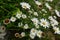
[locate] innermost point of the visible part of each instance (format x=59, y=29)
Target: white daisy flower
x=13, y=19
x=26, y=26
x=53, y=21
x=48, y=6
x=32, y=36
x=38, y=3
x=44, y=23
x=50, y=18
x=35, y=21
x=56, y=29
x=23, y=34
x=25, y=5
x=33, y=31
x=24, y=16
x=35, y=13
x=57, y=13
x=18, y=15
x=39, y=33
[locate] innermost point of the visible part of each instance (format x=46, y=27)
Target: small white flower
x=26, y=26
x=24, y=16
x=44, y=10
x=50, y=18
x=18, y=15
x=6, y=21
x=13, y=19
x=49, y=0
x=23, y=34
x=57, y=13
x=54, y=17
x=37, y=26
x=39, y=33
x=2, y=29
x=56, y=29
x=53, y=21
x=38, y=3
x=32, y=36
x=35, y=21
x=17, y=35
x=30, y=11
x=35, y=13
x=48, y=6
x=33, y=31
x=20, y=24
x=44, y=23
x=2, y=32
x=25, y=5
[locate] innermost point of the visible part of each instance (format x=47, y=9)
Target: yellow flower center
x=33, y=30
x=39, y=33
x=25, y=7
x=44, y=23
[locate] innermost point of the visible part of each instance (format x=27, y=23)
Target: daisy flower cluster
x=33, y=21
